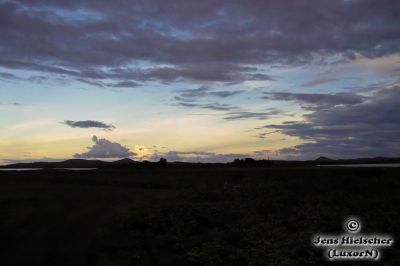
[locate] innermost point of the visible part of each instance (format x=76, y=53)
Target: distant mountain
x=323, y=159
x=72, y=163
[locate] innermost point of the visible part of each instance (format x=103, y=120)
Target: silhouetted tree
x=162, y=162
x=249, y=161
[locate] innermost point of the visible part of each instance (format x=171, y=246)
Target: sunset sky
x=208, y=80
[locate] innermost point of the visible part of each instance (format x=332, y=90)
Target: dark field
x=182, y=216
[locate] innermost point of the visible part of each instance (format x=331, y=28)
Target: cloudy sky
x=208, y=80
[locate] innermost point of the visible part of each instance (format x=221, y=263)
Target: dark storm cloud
x=125, y=84
x=103, y=148
x=225, y=94
x=250, y=115
x=202, y=92
x=317, y=82
x=194, y=93
x=202, y=71
x=197, y=40
x=13, y=64
x=88, y=124
x=38, y=79
x=312, y=101
x=191, y=98
x=186, y=104
x=219, y=107
x=209, y=106
x=264, y=134
x=92, y=82
x=4, y=75
x=368, y=129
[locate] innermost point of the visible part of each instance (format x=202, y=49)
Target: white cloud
x=104, y=148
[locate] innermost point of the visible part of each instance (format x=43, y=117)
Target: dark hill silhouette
x=247, y=162
x=72, y=163
x=125, y=161
x=323, y=159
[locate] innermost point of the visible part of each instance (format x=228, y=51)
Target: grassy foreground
x=197, y=216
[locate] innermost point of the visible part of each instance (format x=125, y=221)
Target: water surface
x=36, y=169
x=364, y=165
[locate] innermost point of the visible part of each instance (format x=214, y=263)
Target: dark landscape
x=199, y=132
x=246, y=162
x=223, y=215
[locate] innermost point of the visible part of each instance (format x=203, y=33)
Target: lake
x=36, y=169
x=364, y=165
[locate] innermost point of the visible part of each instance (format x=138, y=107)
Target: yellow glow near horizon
x=183, y=133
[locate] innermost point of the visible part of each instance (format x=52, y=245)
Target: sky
x=205, y=81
